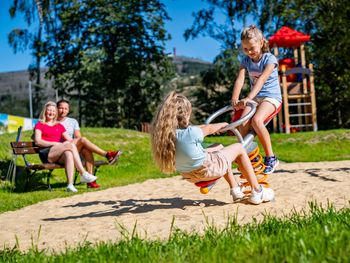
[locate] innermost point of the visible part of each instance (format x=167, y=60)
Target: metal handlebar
x=233, y=126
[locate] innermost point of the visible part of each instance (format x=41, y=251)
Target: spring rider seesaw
x=248, y=143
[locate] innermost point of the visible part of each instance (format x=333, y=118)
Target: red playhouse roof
x=286, y=37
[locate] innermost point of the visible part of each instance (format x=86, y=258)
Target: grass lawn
x=136, y=164
x=319, y=236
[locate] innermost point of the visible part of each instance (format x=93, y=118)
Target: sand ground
x=153, y=205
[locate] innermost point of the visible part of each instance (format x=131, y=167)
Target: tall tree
x=221, y=20
x=35, y=13
x=110, y=54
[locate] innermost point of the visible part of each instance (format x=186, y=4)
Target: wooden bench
x=28, y=147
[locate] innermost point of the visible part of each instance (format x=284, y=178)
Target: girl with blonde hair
x=57, y=147
x=177, y=145
x=262, y=68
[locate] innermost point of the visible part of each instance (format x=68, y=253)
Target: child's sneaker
x=112, y=157
x=236, y=193
x=255, y=159
x=71, y=188
x=271, y=162
x=93, y=185
x=265, y=195
x=87, y=178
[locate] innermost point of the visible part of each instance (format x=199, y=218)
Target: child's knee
x=256, y=122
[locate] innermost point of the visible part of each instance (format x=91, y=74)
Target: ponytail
x=252, y=32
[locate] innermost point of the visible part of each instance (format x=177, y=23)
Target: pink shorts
x=215, y=166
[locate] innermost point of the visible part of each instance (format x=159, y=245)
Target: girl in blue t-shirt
x=262, y=69
x=177, y=145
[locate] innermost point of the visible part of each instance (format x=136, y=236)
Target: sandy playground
x=154, y=204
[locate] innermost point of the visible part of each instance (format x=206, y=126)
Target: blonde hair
x=174, y=112
x=252, y=32
x=42, y=116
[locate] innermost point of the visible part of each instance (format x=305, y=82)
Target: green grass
x=321, y=235
x=136, y=163
x=331, y=145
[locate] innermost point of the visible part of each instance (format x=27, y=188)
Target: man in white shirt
x=85, y=147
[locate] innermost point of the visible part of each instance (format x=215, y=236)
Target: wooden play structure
x=297, y=83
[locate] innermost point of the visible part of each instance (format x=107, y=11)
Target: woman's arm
x=66, y=137
x=40, y=142
x=212, y=128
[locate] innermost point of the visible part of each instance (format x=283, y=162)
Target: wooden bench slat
x=22, y=144
x=25, y=150
x=45, y=166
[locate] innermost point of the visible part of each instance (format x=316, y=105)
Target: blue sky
x=179, y=10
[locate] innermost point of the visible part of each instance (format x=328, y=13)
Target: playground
x=157, y=207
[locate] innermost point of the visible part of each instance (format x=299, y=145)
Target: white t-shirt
x=71, y=126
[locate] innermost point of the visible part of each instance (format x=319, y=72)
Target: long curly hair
x=252, y=32
x=174, y=112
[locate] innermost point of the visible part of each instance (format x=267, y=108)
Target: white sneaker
x=87, y=178
x=236, y=193
x=71, y=188
x=265, y=195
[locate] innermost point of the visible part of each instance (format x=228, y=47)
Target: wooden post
x=285, y=100
x=296, y=57
x=313, y=98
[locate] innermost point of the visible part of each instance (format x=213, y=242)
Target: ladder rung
x=301, y=104
x=300, y=114
x=301, y=125
x=298, y=96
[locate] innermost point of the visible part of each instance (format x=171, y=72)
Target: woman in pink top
x=57, y=146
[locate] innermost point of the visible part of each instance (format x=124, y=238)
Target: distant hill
x=14, y=92
x=15, y=83
x=190, y=66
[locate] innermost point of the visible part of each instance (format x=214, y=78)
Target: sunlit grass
x=136, y=164
x=320, y=235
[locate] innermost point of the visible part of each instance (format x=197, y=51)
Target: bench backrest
x=20, y=148
x=23, y=148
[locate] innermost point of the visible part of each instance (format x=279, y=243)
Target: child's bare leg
x=264, y=110
x=244, y=128
x=247, y=170
x=230, y=179
x=236, y=152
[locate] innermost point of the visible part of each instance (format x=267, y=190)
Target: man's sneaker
x=112, y=157
x=93, y=185
x=71, y=188
x=271, y=162
x=87, y=178
x=236, y=193
x=265, y=195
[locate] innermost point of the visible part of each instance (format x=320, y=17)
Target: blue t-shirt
x=189, y=150
x=271, y=87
